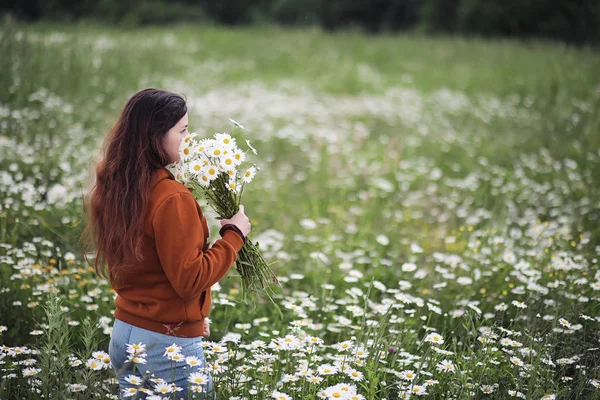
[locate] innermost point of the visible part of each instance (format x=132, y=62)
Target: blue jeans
x=158, y=365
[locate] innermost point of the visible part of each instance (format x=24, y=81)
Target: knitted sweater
x=169, y=291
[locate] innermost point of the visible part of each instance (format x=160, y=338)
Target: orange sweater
x=169, y=291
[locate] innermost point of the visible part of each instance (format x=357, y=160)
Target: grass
x=408, y=185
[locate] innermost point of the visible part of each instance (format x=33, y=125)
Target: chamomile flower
x=31, y=371
x=327, y=369
x=215, y=149
x=232, y=185
x=238, y=156
x=277, y=395
x=94, y=364
x=445, y=366
x=517, y=361
x=204, y=180
x=198, y=378
x=519, y=304
x=129, y=392
x=419, y=390
x=189, y=137
x=163, y=388
x=237, y=124
x=225, y=140
x=249, y=175
x=251, y=148
x=195, y=167
x=212, y=172
x=172, y=349
x=354, y=374
x=76, y=387
x=408, y=375
x=186, y=150
x=193, y=361
x=134, y=380
x=226, y=163
x=434, y=338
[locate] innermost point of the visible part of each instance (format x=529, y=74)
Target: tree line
x=574, y=21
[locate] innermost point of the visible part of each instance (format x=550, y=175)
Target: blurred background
x=437, y=159
x=575, y=21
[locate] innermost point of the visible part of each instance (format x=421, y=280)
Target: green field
x=408, y=185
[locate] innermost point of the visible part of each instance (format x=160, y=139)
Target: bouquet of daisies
x=212, y=169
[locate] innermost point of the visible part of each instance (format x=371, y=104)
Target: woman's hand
x=206, y=332
x=240, y=220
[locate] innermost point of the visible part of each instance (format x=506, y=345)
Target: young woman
x=152, y=238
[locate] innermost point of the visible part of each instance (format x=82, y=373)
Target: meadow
x=432, y=205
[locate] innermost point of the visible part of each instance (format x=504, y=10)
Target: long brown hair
x=117, y=202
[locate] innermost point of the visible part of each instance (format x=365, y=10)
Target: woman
x=151, y=234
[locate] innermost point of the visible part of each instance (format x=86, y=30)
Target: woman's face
x=174, y=137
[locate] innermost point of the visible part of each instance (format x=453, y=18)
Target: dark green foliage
x=576, y=21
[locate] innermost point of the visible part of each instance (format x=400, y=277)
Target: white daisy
x=249, y=175
x=212, y=172
x=251, y=148
x=172, y=349
x=198, y=378
x=225, y=140
x=129, y=392
x=195, y=167
x=238, y=156
x=163, y=388
x=134, y=380
x=445, y=366
x=215, y=149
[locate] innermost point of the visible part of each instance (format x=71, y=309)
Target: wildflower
x=31, y=371
x=408, y=375
x=517, y=361
x=94, y=364
x=419, y=390
x=75, y=363
x=327, y=369
x=355, y=375
x=280, y=396
x=519, y=304
x=344, y=346
x=172, y=349
x=76, y=387
x=198, y=378
x=138, y=348
x=445, y=366
x=564, y=322
x=129, y=392
x=409, y=267
x=134, y=380
x=137, y=359
x=514, y=393
x=163, y=388
x=434, y=338
x=193, y=361
x=487, y=389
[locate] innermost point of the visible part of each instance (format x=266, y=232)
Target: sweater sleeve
x=180, y=238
